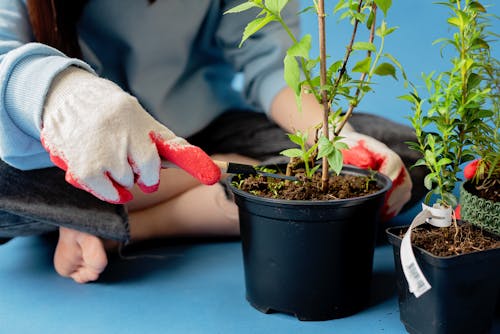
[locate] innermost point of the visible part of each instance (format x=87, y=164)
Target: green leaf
x=364, y=46
x=429, y=157
x=428, y=180
x=292, y=74
x=301, y=48
x=419, y=162
x=240, y=8
x=336, y=161
x=388, y=31
x=479, y=43
x=255, y=26
x=342, y=4
x=276, y=6
x=325, y=147
x=341, y=145
x=444, y=161
x=412, y=98
x=477, y=7
x=292, y=153
x=363, y=66
x=386, y=69
x=370, y=19
x=313, y=170
x=296, y=138
x=455, y=21
x=384, y=5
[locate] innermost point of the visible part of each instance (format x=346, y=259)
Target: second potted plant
x=448, y=271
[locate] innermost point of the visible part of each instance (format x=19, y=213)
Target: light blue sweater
x=178, y=57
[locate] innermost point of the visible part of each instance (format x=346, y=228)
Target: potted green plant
x=480, y=193
x=313, y=257
x=448, y=272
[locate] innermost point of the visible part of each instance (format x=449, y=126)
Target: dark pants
x=39, y=201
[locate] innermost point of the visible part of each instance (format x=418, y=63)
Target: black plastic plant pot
x=463, y=294
x=312, y=259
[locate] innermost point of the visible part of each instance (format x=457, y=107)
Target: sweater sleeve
x=26, y=72
x=260, y=58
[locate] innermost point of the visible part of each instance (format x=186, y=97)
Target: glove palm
x=106, y=142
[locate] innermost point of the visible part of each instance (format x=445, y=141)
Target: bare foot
x=79, y=255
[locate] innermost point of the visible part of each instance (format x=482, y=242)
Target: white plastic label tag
x=417, y=282
x=441, y=217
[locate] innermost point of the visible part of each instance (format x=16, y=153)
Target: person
x=95, y=94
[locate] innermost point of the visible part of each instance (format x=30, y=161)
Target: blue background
x=419, y=24
x=197, y=286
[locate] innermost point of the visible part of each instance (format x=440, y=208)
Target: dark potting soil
x=487, y=189
x=453, y=240
x=339, y=187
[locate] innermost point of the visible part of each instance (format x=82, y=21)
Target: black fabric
x=38, y=201
x=247, y=133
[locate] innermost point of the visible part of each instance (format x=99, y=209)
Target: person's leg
x=199, y=210
x=181, y=207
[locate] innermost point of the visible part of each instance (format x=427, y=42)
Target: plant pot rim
x=465, y=184
x=438, y=261
x=382, y=180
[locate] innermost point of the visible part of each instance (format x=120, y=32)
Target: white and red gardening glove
x=367, y=152
x=106, y=142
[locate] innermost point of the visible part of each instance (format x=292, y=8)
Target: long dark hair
x=54, y=23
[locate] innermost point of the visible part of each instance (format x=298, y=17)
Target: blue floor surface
x=186, y=287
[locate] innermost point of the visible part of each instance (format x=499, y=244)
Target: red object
x=360, y=156
x=190, y=158
x=470, y=169
x=457, y=212
x=399, y=180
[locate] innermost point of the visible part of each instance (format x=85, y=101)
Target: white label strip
x=417, y=283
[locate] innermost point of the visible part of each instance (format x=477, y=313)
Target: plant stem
x=351, y=107
x=347, y=53
x=324, y=92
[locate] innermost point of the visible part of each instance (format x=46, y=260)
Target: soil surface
x=339, y=187
x=487, y=189
x=453, y=240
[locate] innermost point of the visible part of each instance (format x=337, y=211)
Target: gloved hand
x=105, y=140
x=367, y=152
x=470, y=169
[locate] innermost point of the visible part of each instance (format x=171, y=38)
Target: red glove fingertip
x=360, y=156
x=470, y=169
x=192, y=159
